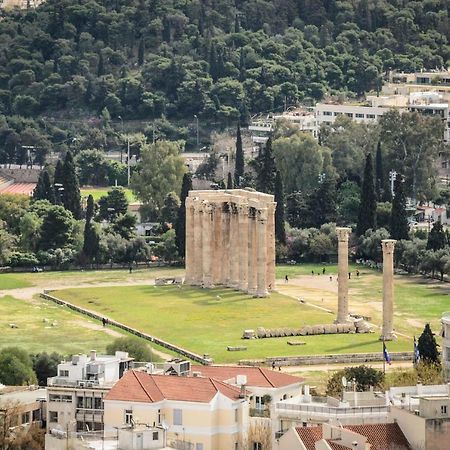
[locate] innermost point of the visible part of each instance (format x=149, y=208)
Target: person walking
x=286, y=279
x=323, y=271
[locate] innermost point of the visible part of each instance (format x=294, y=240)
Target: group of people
x=286, y=278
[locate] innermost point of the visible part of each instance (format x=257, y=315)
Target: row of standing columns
x=387, y=246
x=230, y=244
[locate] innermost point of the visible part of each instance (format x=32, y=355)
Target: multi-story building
x=197, y=413
x=75, y=396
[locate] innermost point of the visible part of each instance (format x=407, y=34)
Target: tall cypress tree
x=71, y=192
x=180, y=229
x=239, y=163
x=399, y=219
x=229, y=181
x=44, y=189
x=280, y=231
x=379, y=174
x=437, y=238
x=367, y=217
x=428, y=347
x=91, y=238
x=100, y=65
x=266, y=171
x=58, y=182
x=141, y=52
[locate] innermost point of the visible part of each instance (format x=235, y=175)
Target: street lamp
x=392, y=178
x=121, y=151
x=196, y=120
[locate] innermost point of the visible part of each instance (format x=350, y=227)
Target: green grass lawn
x=200, y=321
x=101, y=192
x=72, y=332
x=296, y=270
x=13, y=281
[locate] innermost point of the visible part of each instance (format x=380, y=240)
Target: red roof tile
x=142, y=387
x=256, y=376
x=381, y=436
x=19, y=188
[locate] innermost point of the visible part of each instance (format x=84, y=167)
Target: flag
x=386, y=355
x=416, y=352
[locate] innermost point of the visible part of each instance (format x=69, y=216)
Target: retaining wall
x=328, y=359
x=179, y=350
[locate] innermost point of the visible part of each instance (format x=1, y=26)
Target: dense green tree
x=229, y=181
x=113, y=204
x=180, y=228
x=239, y=166
x=437, y=239
x=368, y=207
x=169, y=211
x=57, y=228
x=364, y=376
x=44, y=188
x=135, y=347
x=58, y=179
x=265, y=177
x=399, y=219
x=280, y=232
x=16, y=368
x=428, y=348
x=45, y=366
x=91, y=242
x=71, y=192
x=381, y=185
x=167, y=249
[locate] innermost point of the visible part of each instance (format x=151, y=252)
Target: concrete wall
x=437, y=434
x=413, y=427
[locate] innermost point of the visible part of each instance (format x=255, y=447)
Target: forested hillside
x=217, y=58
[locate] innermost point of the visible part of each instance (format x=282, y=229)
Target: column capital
x=243, y=209
x=262, y=214
x=388, y=246
x=343, y=233
x=208, y=207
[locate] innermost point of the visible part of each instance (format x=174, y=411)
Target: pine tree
x=437, y=238
x=58, y=182
x=323, y=202
x=399, y=219
x=239, y=162
x=71, y=192
x=44, y=189
x=180, y=229
x=368, y=208
x=280, y=231
x=379, y=175
x=265, y=180
x=101, y=65
x=89, y=208
x=428, y=347
x=141, y=52
x=229, y=181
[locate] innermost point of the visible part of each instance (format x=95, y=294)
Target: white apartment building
x=75, y=395
x=446, y=344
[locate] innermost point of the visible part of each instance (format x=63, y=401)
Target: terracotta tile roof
x=381, y=436
x=256, y=376
x=137, y=386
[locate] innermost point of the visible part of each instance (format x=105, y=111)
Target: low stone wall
x=327, y=359
x=181, y=351
x=21, y=175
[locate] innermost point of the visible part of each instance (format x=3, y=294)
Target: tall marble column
x=342, y=234
x=261, y=232
x=198, y=238
x=217, y=244
x=207, y=244
x=387, y=333
x=189, y=242
x=234, y=249
x=271, y=247
x=225, y=263
x=252, y=249
x=243, y=247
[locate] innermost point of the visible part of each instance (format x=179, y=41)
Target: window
x=349, y=114
x=98, y=403
x=36, y=415
x=63, y=373
x=327, y=113
x=66, y=398
x=128, y=416
x=236, y=415
x=236, y=446
x=360, y=116
x=53, y=416
x=54, y=398
x=371, y=116
x=88, y=402
x=443, y=409
x=257, y=446
x=198, y=446
x=159, y=417
x=155, y=435
x=26, y=417
x=177, y=417
x=80, y=403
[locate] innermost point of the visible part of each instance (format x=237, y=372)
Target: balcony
x=259, y=412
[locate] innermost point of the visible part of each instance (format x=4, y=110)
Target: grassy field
x=12, y=281
x=209, y=321
x=43, y=326
x=101, y=192
x=305, y=269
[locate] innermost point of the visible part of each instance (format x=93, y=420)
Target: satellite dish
x=344, y=381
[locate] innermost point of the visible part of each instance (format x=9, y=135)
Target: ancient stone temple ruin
x=230, y=240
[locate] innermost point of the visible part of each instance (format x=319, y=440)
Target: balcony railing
x=259, y=412
x=334, y=412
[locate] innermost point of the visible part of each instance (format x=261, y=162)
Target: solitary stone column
x=342, y=234
x=198, y=235
x=261, y=230
x=207, y=244
x=387, y=333
x=189, y=242
x=252, y=247
x=243, y=247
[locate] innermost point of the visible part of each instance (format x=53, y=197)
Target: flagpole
x=384, y=358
